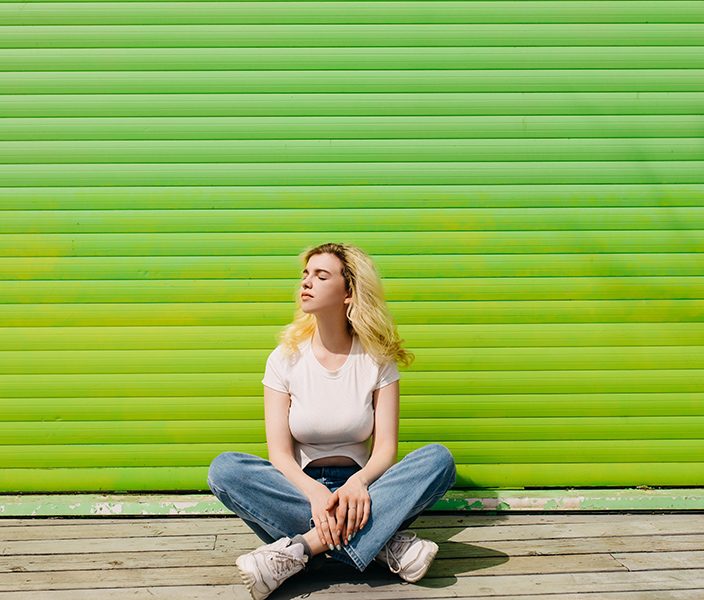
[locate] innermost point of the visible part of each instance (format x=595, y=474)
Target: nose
x=305, y=282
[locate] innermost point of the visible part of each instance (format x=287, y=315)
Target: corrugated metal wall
x=528, y=174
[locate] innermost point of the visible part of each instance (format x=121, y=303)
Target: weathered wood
x=71, y=529
x=135, y=544
x=547, y=532
x=434, y=520
x=504, y=557
x=188, y=592
x=450, y=548
x=119, y=560
x=661, y=560
x=415, y=593
x=665, y=543
x=212, y=524
x=535, y=585
x=119, y=578
x=523, y=565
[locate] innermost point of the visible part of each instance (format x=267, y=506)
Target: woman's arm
x=280, y=445
x=354, y=494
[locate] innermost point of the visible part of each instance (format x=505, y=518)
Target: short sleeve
x=388, y=373
x=275, y=373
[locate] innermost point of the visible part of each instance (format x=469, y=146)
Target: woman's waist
x=333, y=472
x=333, y=461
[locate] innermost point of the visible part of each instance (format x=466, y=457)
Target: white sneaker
x=407, y=555
x=267, y=567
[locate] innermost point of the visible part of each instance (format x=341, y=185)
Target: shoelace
x=395, y=548
x=282, y=562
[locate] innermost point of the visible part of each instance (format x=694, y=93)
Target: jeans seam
x=355, y=558
x=254, y=517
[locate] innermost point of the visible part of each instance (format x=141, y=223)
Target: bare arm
x=280, y=445
x=385, y=444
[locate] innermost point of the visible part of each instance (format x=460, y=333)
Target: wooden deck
x=502, y=557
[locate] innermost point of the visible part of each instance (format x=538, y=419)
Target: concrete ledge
x=113, y=505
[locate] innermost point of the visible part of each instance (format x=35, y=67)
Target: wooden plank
x=522, y=586
x=528, y=558
x=644, y=595
x=502, y=564
x=433, y=521
x=449, y=548
x=415, y=592
x=412, y=592
x=167, y=558
x=97, y=580
x=170, y=523
x=643, y=545
x=67, y=529
x=108, y=544
x=491, y=561
x=661, y=560
x=187, y=592
x=586, y=530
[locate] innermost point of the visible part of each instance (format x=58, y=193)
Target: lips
x=306, y=295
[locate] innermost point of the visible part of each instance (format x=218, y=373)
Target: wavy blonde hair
x=368, y=317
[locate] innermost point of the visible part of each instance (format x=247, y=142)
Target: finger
x=333, y=500
x=340, y=518
x=324, y=529
x=333, y=530
x=351, y=525
x=367, y=510
x=358, y=517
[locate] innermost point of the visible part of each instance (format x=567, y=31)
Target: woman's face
x=323, y=288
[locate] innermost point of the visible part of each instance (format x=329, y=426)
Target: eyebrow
x=317, y=271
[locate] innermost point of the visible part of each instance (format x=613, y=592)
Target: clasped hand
x=339, y=515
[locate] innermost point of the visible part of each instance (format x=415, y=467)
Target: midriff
x=333, y=461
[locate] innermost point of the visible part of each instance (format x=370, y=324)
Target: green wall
x=529, y=176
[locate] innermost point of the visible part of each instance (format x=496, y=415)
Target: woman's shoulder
x=289, y=356
x=383, y=365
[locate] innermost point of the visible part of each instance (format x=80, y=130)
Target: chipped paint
x=455, y=500
x=106, y=509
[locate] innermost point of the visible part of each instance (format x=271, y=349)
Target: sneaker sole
x=426, y=565
x=248, y=579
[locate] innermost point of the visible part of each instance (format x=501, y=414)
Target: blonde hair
x=368, y=317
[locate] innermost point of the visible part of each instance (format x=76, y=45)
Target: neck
x=332, y=334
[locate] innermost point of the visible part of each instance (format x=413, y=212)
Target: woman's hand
x=325, y=518
x=351, y=505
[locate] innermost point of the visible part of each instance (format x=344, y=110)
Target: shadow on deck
x=511, y=556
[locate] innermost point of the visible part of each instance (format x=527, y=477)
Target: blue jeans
x=274, y=507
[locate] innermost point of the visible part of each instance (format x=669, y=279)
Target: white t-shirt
x=331, y=412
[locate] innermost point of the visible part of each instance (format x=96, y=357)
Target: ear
x=348, y=298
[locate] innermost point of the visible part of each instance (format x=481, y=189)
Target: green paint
x=91, y=505
x=530, y=183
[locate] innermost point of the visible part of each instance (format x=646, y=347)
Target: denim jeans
x=274, y=507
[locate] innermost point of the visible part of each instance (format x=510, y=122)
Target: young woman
x=331, y=399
